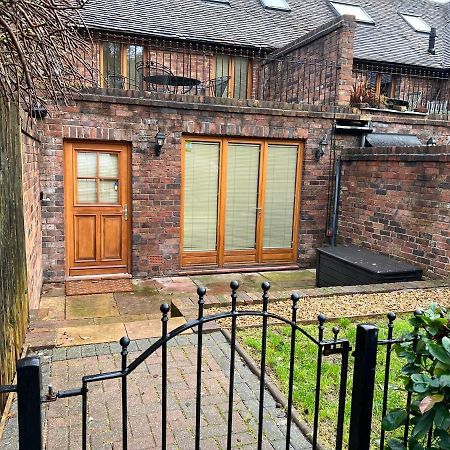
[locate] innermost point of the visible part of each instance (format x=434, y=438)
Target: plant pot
x=421, y=109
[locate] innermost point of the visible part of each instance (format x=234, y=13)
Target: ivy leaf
x=440, y=369
x=446, y=343
x=444, y=439
x=423, y=424
x=442, y=417
x=439, y=353
x=444, y=380
x=394, y=419
x=428, y=402
x=395, y=444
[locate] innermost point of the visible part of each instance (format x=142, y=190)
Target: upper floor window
x=352, y=10
x=118, y=65
x=417, y=23
x=237, y=71
x=276, y=4
x=382, y=84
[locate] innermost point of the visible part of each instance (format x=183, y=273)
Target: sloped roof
x=248, y=23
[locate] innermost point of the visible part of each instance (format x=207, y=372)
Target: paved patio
x=88, y=319
x=63, y=368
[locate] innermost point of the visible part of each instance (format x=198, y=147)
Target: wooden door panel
x=97, y=202
x=85, y=237
x=111, y=234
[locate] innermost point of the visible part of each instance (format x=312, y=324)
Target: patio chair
x=215, y=87
x=115, y=81
x=154, y=75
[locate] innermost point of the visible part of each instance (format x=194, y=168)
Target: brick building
x=247, y=94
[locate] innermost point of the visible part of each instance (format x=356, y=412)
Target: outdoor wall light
x=431, y=142
x=321, y=150
x=160, y=141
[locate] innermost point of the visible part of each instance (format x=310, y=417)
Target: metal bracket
x=51, y=396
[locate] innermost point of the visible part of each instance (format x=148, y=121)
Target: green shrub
x=426, y=375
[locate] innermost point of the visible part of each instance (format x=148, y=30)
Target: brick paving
x=64, y=367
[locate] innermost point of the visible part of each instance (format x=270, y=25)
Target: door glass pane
x=242, y=196
x=201, y=179
x=240, y=77
x=108, y=191
x=112, y=65
x=108, y=165
x=87, y=191
x=280, y=196
x=134, y=56
x=86, y=164
x=222, y=70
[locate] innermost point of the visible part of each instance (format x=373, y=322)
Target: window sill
x=408, y=113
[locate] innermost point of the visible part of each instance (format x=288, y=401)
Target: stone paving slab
x=64, y=367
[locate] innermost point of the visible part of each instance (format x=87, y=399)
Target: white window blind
x=281, y=171
x=222, y=70
x=241, y=196
x=240, y=77
x=201, y=178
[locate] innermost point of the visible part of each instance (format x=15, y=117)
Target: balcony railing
x=177, y=67
x=409, y=90
x=195, y=69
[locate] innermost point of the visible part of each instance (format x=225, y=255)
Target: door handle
x=125, y=212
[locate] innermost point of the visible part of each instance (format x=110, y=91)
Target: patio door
x=97, y=202
x=240, y=202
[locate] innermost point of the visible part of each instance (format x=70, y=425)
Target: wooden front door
x=97, y=208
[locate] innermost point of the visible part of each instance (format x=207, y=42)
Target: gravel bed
x=337, y=306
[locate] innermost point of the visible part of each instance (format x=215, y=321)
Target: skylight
x=276, y=4
x=352, y=10
x=417, y=23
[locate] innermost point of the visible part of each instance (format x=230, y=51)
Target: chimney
x=432, y=42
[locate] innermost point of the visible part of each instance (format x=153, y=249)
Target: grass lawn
x=278, y=351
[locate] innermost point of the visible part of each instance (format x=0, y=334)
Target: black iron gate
x=28, y=386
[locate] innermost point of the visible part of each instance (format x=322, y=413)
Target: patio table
x=175, y=81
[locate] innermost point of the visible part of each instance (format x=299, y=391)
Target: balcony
x=421, y=91
x=157, y=67
x=161, y=67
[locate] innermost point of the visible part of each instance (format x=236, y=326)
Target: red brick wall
x=397, y=201
x=324, y=75
x=32, y=213
x=156, y=180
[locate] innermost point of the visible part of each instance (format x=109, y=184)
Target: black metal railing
x=325, y=348
x=163, y=66
x=403, y=89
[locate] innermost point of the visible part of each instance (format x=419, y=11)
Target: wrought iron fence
x=403, y=89
x=156, y=65
x=30, y=424
x=367, y=346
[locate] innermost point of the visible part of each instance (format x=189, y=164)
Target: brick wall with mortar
x=327, y=53
x=114, y=115
x=397, y=201
x=32, y=211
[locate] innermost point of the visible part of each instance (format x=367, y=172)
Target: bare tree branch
x=45, y=51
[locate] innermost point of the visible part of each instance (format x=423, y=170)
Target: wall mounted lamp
x=160, y=141
x=431, y=142
x=321, y=150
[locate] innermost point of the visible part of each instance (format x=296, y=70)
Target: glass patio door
x=239, y=202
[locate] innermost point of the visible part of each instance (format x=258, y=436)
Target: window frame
x=404, y=17
x=370, y=21
x=123, y=61
x=231, y=73
x=259, y=256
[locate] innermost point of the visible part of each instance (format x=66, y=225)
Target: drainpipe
x=337, y=190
